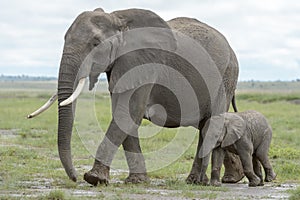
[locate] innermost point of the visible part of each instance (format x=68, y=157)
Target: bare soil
x=40, y=187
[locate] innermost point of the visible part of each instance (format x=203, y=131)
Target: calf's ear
x=235, y=129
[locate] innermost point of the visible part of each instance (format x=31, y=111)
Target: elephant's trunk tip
x=72, y=176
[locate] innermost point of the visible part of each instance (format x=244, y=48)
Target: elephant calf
x=246, y=134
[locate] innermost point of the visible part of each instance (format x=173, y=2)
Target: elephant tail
x=233, y=102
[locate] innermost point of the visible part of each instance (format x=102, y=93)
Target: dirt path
x=269, y=191
x=118, y=190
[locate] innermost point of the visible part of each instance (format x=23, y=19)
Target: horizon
x=102, y=77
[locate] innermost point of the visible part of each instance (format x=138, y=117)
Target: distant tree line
x=101, y=78
x=25, y=78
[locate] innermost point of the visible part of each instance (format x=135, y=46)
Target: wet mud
x=154, y=190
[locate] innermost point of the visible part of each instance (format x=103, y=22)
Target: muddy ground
x=157, y=189
x=154, y=190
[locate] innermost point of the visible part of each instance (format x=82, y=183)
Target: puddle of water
x=12, y=133
x=43, y=186
x=84, y=193
x=161, y=192
x=268, y=191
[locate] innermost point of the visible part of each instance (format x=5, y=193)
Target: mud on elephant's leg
x=98, y=174
x=135, y=160
x=233, y=168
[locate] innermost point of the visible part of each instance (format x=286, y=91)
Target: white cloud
x=264, y=34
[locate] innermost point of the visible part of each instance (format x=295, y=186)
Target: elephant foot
x=98, y=174
x=195, y=179
x=215, y=178
x=192, y=179
x=253, y=179
x=137, y=178
x=229, y=178
x=255, y=182
x=270, y=175
x=215, y=183
x=261, y=183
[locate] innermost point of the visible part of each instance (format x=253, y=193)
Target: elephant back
x=216, y=46
x=211, y=40
x=140, y=18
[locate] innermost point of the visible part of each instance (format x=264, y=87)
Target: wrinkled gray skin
x=246, y=134
x=88, y=31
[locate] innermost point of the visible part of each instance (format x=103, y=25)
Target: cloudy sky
x=265, y=34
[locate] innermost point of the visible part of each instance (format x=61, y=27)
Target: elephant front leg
x=216, y=165
x=246, y=159
x=128, y=109
x=104, y=156
x=135, y=161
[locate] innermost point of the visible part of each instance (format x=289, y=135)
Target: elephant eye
x=96, y=42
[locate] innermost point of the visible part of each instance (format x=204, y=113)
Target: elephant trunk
x=66, y=82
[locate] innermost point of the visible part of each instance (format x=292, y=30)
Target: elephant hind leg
x=257, y=169
x=262, y=155
x=246, y=159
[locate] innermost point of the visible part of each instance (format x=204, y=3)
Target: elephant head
x=91, y=46
x=223, y=130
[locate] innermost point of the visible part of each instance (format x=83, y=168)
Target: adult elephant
x=183, y=65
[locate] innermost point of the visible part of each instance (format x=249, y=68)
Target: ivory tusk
x=44, y=107
x=75, y=94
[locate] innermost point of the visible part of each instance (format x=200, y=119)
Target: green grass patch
x=55, y=195
x=267, y=97
x=295, y=194
x=29, y=157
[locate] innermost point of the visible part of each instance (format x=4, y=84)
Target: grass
x=295, y=194
x=29, y=159
x=56, y=195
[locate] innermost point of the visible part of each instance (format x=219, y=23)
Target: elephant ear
x=145, y=36
x=99, y=60
x=211, y=133
x=236, y=128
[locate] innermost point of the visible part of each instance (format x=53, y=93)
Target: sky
x=265, y=34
